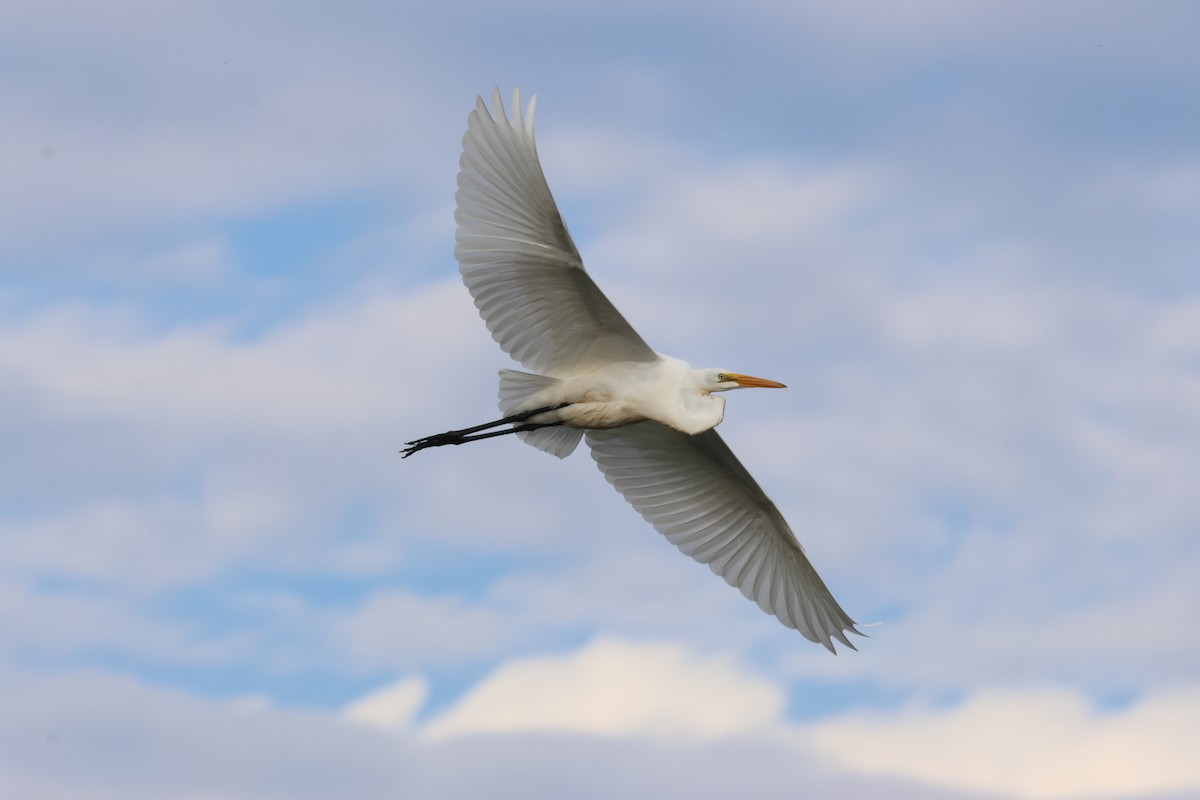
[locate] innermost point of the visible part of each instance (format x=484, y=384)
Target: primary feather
x=517, y=258
x=695, y=492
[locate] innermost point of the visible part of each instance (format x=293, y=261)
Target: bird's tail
x=516, y=388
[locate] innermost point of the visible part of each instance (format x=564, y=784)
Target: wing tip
x=514, y=116
x=849, y=626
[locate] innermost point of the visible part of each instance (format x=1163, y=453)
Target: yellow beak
x=750, y=381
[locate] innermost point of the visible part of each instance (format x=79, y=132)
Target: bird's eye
x=722, y=377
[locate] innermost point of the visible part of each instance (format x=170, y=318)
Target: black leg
x=464, y=435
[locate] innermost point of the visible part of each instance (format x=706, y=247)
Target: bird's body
x=664, y=390
x=648, y=418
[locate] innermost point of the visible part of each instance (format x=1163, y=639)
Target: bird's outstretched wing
x=518, y=260
x=697, y=494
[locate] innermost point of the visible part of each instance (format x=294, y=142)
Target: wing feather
x=518, y=260
x=695, y=492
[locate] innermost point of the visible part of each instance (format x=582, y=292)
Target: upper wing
x=519, y=262
x=697, y=494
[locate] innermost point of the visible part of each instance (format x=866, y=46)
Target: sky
x=964, y=234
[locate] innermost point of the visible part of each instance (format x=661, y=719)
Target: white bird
x=649, y=418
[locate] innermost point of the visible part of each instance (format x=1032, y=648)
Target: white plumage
x=648, y=418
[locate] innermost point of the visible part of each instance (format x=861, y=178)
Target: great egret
x=648, y=418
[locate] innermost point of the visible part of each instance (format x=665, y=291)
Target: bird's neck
x=702, y=410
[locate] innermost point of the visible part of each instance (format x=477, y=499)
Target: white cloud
x=1041, y=745
x=56, y=624
x=92, y=736
x=148, y=442
x=391, y=708
x=184, y=114
x=149, y=541
x=614, y=718
x=99, y=737
x=616, y=688
x=340, y=367
x=394, y=627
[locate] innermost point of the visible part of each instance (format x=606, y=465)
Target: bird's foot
x=437, y=440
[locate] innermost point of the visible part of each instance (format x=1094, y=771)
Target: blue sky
x=963, y=234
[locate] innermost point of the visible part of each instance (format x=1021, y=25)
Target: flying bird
x=648, y=418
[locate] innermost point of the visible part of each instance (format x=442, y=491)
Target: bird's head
x=719, y=380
